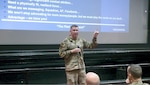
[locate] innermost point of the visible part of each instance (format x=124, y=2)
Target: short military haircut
x=73, y=26
x=135, y=70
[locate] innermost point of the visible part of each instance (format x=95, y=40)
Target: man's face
x=74, y=32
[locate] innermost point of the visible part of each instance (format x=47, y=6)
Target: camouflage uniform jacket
x=74, y=60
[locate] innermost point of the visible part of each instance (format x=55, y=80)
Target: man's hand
x=96, y=34
x=76, y=50
x=128, y=81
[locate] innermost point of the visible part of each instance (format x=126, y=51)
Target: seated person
x=92, y=79
x=134, y=75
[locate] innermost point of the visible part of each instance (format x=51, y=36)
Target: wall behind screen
x=137, y=33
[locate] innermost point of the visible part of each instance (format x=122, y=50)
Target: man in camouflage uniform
x=71, y=49
x=134, y=73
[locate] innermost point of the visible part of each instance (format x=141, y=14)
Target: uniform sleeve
x=63, y=50
x=93, y=44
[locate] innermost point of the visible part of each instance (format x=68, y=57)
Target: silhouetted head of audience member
x=92, y=78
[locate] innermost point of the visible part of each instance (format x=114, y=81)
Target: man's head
x=74, y=31
x=92, y=78
x=134, y=71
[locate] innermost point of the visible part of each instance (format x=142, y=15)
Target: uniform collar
x=70, y=38
x=137, y=83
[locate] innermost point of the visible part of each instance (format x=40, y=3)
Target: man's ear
x=129, y=74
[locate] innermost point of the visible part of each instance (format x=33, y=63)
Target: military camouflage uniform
x=74, y=62
x=139, y=83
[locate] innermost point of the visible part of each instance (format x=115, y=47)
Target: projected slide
x=58, y=15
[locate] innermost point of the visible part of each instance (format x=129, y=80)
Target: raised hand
x=96, y=33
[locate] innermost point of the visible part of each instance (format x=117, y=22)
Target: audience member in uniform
x=134, y=75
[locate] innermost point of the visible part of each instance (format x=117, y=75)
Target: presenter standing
x=71, y=49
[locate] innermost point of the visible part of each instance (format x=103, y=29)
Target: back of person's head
x=135, y=70
x=92, y=79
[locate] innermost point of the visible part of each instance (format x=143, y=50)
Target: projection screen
x=49, y=21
